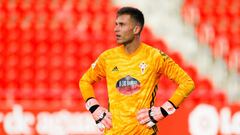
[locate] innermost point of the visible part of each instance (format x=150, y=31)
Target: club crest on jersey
x=143, y=67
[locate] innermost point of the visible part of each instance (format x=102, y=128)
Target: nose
x=116, y=28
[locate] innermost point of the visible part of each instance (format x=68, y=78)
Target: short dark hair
x=135, y=13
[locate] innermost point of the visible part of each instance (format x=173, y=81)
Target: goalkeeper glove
x=151, y=116
x=102, y=117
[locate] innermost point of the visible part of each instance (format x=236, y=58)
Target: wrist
x=167, y=108
x=92, y=104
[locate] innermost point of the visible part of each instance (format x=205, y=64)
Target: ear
x=136, y=29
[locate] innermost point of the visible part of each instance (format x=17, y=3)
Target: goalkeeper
x=132, y=70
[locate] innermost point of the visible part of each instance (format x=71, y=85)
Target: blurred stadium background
x=46, y=46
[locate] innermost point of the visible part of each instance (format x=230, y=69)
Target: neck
x=132, y=46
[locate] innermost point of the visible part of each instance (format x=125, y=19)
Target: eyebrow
x=121, y=23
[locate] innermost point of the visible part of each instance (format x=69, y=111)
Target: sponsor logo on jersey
x=115, y=68
x=128, y=85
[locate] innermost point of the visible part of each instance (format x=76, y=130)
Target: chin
x=119, y=42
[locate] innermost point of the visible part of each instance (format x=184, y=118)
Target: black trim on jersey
x=153, y=96
x=155, y=129
x=151, y=104
x=165, y=56
x=172, y=104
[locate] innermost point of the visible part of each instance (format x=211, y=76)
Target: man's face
x=124, y=29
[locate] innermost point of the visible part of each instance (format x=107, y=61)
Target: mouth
x=118, y=36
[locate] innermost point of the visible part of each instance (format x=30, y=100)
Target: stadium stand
x=217, y=24
x=47, y=45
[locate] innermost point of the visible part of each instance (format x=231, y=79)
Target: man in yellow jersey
x=132, y=70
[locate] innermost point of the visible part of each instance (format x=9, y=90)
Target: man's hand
x=150, y=117
x=102, y=117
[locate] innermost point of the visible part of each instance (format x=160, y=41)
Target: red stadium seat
x=160, y=44
x=192, y=72
x=101, y=90
x=190, y=13
x=234, y=59
x=222, y=25
x=219, y=97
x=205, y=32
x=81, y=6
x=41, y=89
x=177, y=57
x=205, y=84
x=221, y=9
x=220, y=46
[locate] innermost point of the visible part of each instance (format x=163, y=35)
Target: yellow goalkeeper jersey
x=132, y=84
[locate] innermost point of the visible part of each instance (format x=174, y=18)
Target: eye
x=121, y=24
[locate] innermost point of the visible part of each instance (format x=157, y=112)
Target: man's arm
x=178, y=75
x=170, y=69
x=86, y=85
x=100, y=114
x=94, y=74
